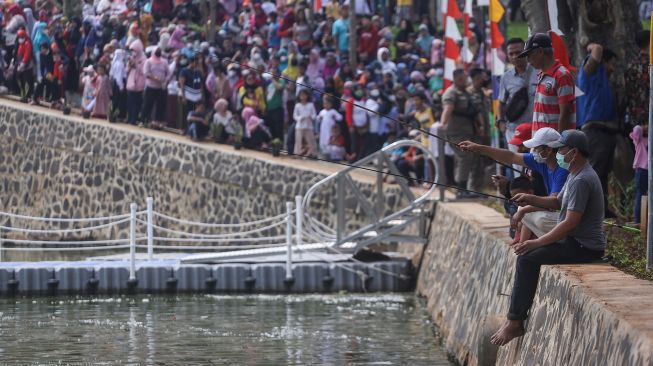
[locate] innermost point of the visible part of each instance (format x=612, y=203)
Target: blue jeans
x=641, y=188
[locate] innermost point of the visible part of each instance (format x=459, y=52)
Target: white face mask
x=538, y=157
x=21, y=40
x=232, y=73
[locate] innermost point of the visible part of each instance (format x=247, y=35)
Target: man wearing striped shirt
x=555, y=102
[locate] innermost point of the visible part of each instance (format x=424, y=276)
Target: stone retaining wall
x=61, y=166
x=583, y=314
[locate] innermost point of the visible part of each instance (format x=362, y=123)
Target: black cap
x=537, y=40
x=575, y=139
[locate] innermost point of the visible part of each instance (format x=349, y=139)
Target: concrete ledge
x=582, y=315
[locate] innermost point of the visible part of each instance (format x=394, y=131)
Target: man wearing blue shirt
x=542, y=159
x=596, y=112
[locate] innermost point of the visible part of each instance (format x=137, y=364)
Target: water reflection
x=225, y=330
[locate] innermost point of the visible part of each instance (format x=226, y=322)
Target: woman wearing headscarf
x=156, y=76
x=118, y=75
x=252, y=94
x=176, y=39
x=331, y=66
x=164, y=43
x=436, y=51
x=383, y=57
x=135, y=81
x=30, y=21
x=257, y=135
x=315, y=65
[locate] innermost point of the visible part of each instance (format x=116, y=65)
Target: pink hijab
x=176, y=40
x=436, y=51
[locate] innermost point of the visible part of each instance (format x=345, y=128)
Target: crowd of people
x=248, y=77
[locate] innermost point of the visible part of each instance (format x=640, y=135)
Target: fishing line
x=227, y=61
x=417, y=180
x=285, y=152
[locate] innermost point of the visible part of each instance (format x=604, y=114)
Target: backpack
x=518, y=102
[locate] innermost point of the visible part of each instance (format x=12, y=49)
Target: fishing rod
x=226, y=61
x=349, y=165
x=488, y=195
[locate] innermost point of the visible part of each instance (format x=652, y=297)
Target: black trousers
x=46, y=89
x=405, y=168
x=527, y=272
x=134, y=103
x=154, y=98
x=603, y=144
x=274, y=119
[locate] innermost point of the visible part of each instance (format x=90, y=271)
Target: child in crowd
x=88, y=91
x=198, y=124
x=327, y=118
x=639, y=135
x=224, y=125
x=304, y=114
x=336, y=148
x=102, y=92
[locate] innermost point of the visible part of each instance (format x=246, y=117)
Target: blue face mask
x=561, y=161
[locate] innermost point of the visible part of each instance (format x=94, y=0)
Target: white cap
x=544, y=136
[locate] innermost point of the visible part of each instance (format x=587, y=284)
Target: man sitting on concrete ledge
x=543, y=161
x=577, y=238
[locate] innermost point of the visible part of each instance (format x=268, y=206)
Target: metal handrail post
x=340, y=208
x=299, y=222
x=379, y=184
x=441, y=167
x=289, y=240
x=150, y=228
x=132, y=242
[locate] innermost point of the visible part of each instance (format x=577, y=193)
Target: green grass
x=520, y=29
x=628, y=252
x=517, y=30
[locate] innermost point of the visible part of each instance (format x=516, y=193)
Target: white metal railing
x=320, y=231
x=148, y=229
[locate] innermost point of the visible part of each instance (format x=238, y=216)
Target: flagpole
x=486, y=31
x=649, y=226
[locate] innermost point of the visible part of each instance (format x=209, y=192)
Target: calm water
x=388, y=329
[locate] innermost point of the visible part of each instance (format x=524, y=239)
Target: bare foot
x=509, y=330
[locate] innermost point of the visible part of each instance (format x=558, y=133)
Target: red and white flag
x=467, y=55
x=451, y=39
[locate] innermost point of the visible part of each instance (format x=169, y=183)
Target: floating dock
x=172, y=273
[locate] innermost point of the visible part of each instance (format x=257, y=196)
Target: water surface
x=387, y=329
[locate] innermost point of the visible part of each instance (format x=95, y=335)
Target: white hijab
x=118, y=70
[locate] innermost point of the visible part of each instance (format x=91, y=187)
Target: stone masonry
x=62, y=166
x=590, y=314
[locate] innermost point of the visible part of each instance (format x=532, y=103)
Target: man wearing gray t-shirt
x=577, y=238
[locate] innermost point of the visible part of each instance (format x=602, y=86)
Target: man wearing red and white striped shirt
x=555, y=101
